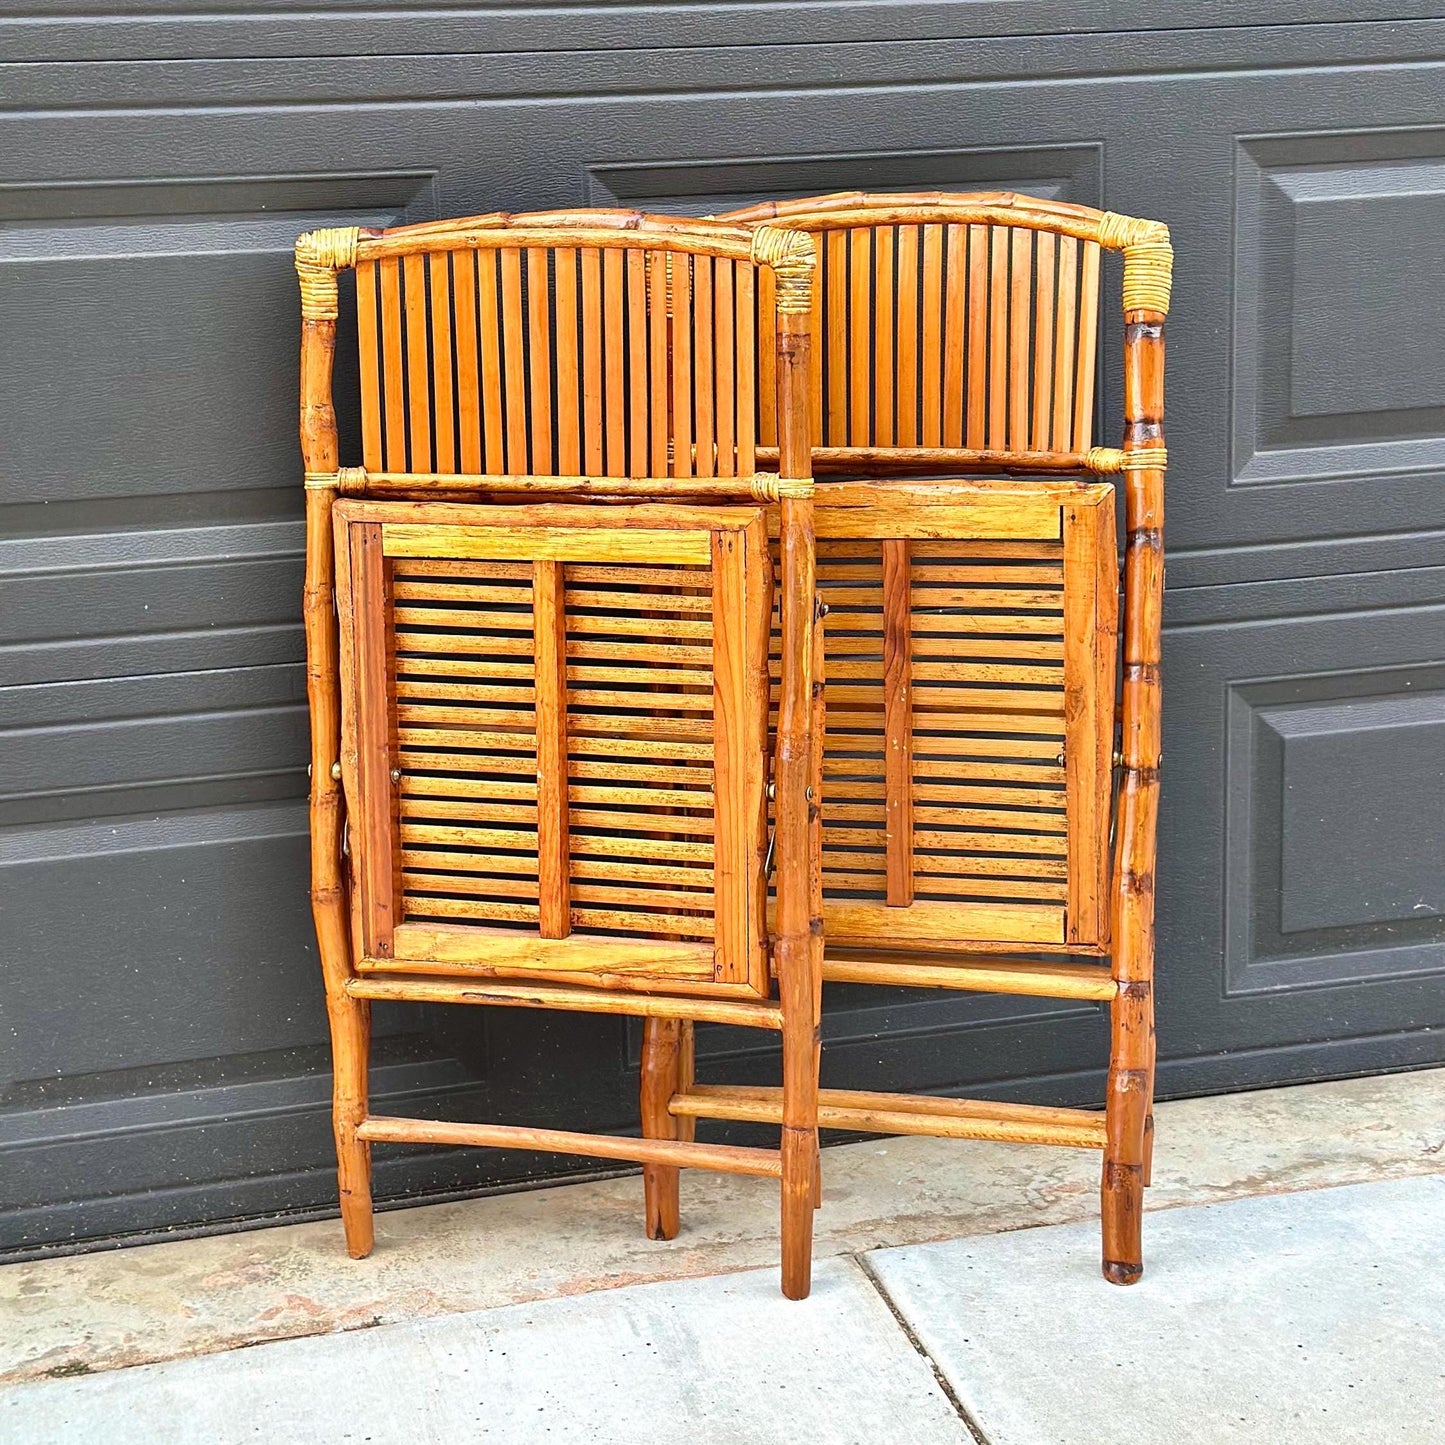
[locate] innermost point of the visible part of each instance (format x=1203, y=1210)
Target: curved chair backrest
x=592, y=343
x=961, y=323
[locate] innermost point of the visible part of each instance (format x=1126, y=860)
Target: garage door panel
x=1306, y=755
x=1338, y=312
x=150, y=317
x=141, y=603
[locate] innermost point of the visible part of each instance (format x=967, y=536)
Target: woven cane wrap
x=792, y=256
x=319, y=255
x=1148, y=260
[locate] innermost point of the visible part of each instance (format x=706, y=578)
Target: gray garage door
x=162, y=1040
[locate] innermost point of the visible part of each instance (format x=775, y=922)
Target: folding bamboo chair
x=972, y=637
x=537, y=623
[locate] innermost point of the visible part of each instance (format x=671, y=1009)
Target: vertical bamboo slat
x=393, y=375
x=469, y=414
x=724, y=368
x=494, y=437
x=513, y=364
x=976, y=434
x=836, y=276
x=898, y=721
x=1045, y=299
x=1019, y=371
x=932, y=335
x=907, y=336
x=860, y=336
x=768, y=361
x=368, y=370
x=998, y=311
x=885, y=330
x=817, y=416
x=549, y=624
x=747, y=337
x=660, y=329
x=614, y=329
x=955, y=296
x=681, y=351
x=569, y=441
x=418, y=377
x=704, y=402
x=637, y=378
x=539, y=347
x=592, y=432
x=1088, y=345
x=443, y=390
x=1065, y=334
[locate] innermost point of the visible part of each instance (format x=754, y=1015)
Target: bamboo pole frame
x=1130, y=1108
x=318, y=256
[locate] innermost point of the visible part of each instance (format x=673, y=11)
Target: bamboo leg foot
x=350, y=1044
x=354, y=1158
x=1122, y=1187
x=660, y=1077
x=800, y=1170
x=1123, y=1209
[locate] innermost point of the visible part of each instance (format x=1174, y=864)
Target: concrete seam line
x=950, y=1394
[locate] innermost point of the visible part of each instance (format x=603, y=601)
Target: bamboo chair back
x=972, y=625
x=524, y=358
x=965, y=325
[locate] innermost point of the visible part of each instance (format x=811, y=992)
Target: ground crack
x=969, y=1423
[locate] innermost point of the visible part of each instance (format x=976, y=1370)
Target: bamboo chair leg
x=661, y=1077
x=800, y=1160
x=350, y=1043
x=1122, y=1188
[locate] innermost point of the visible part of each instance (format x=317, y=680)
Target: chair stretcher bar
x=873, y=1113
x=682, y=1154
